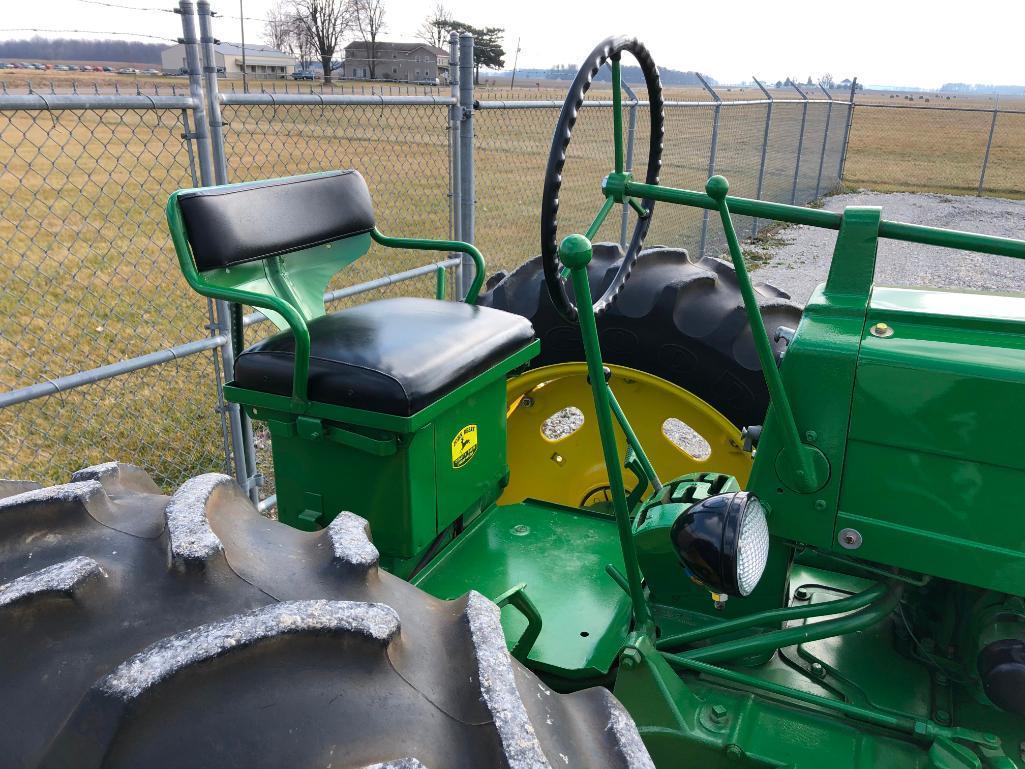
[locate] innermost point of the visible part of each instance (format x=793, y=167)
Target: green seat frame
x=289, y=288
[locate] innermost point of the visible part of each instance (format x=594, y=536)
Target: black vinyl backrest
x=231, y=225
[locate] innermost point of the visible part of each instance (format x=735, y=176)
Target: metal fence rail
x=106, y=353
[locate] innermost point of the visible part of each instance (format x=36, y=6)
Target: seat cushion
x=394, y=356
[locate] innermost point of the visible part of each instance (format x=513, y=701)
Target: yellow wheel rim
x=571, y=471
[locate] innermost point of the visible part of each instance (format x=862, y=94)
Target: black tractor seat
x=393, y=356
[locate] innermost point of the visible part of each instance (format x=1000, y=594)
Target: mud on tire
x=140, y=630
x=678, y=320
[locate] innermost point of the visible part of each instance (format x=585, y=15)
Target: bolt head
x=801, y=594
x=734, y=751
x=849, y=539
x=630, y=658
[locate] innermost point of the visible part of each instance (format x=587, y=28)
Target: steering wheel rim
x=606, y=50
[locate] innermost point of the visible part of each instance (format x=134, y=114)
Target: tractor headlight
x=724, y=542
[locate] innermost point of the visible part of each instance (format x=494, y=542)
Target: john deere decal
x=464, y=446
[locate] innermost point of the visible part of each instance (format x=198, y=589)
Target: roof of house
x=402, y=47
x=235, y=49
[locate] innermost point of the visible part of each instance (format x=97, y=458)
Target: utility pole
x=242, y=23
x=516, y=60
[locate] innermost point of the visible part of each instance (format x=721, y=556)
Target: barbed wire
x=86, y=32
x=126, y=7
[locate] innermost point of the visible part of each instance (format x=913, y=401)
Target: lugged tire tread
x=249, y=660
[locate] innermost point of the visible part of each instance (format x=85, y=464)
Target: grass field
x=91, y=277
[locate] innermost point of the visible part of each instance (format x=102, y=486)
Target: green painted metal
x=457, y=246
x=934, y=428
x=559, y=555
x=632, y=440
x=802, y=471
x=575, y=253
x=817, y=703
x=774, y=617
x=781, y=212
x=818, y=374
x=870, y=615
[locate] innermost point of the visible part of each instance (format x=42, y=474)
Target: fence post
x=825, y=139
x=989, y=144
x=847, y=131
x=466, y=186
x=228, y=316
x=213, y=103
x=202, y=132
x=453, y=147
x=765, y=147
x=628, y=166
x=712, y=150
x=800, y=140
x=201, y=137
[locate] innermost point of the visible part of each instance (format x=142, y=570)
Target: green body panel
x=400, y=473
x=818, y=375
x=934, y=463
x=559, y=554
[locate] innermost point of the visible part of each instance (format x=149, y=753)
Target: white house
x=261, y=62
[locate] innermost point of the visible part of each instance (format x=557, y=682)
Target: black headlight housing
x=724, y=542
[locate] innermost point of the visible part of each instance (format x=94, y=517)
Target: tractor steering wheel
x=610, y=49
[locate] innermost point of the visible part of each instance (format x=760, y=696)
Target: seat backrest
x=287, y=237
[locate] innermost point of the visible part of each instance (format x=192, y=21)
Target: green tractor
x=830, y=573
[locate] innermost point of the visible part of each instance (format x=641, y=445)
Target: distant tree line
x=68, y=49
x=631, y=74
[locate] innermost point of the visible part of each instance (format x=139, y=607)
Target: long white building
x=261, y=62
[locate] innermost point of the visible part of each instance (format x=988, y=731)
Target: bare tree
x=279, y=28
x=435, y=28
x=324, y=22
x=368, y=16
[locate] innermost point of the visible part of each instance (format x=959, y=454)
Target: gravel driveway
x=803, y=262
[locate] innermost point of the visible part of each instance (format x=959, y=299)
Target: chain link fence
x=918, y=148
x=106, y=353
x=90, y=277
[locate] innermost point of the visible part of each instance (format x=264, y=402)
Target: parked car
x=108, y=69
x=128, y=71
x=151, y=71
x=303, y=74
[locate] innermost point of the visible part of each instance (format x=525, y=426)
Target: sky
x=882, y=42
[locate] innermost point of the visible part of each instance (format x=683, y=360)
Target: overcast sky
x=883, y=42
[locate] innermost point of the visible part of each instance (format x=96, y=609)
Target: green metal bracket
x=854, y=256
x=517, y=597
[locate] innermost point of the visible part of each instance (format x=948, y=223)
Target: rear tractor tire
x=681, y=321
x=140, y=630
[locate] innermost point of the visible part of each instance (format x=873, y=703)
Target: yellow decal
x=464, y=446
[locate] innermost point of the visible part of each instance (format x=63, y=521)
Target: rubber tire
x=678, y=320
x=138, y=630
